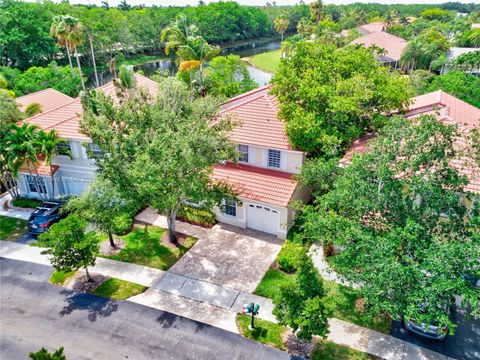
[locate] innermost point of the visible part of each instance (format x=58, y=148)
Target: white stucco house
x=264, y=175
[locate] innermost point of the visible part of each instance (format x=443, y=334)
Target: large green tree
x=397, y=214
x=161, y=151
x=228, y=76
x=329, y=96
x=459, y=84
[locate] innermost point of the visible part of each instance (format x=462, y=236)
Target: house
x=264, y=176
x=366, y=29
x=453, y=54
x=393, y=46
x=62, y=113
x=449, y=110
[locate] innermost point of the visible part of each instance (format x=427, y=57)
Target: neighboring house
x=449, y=110
x=475, y=26
x=264, y=175
x=366, y=29
x=62, y=114
x=393, y=46
x=453, y=54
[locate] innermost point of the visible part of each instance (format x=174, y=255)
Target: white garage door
x=263, y=218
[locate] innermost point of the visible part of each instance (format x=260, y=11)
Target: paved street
x=35, y=314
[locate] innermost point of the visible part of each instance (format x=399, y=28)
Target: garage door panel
x=263, y=218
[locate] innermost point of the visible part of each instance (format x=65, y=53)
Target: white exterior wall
x=290, y=161
x=73, y=176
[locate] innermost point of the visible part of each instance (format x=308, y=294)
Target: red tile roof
x=393, y=45
x=48, y=99
x=259, y=184
x=448, y=109
x=372, y=27
x=40, y=168
x=65, y=119
x=257, y=113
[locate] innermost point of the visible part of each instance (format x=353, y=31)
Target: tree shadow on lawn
x=96, y=306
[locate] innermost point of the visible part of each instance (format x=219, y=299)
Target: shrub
x=26, y=202
x=290, y=255
x=201, y=216
x=33, y=109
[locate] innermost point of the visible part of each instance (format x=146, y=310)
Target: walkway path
x=5, y=211
x=218, y=305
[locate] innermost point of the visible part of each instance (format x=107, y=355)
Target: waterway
x=168, y=64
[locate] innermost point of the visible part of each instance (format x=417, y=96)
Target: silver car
x=431, y=331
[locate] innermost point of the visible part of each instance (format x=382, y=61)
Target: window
x=36, y=184
x=94, y=149
x=274, y=158
x=243, y=153
x=230, y=208
x=64, y=148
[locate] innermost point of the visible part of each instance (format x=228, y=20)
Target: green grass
x=143, y=247
x=119, y=289
x=59, y=277
x=326, y=350
x=12, y=229
x=341, y=301
x=24, y=202
x=267, y=61
x=265, y=332
x=271, y=282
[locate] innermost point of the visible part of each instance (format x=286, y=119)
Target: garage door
x=73, y=187
x=263, y=218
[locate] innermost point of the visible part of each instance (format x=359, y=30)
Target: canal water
x=169, y=65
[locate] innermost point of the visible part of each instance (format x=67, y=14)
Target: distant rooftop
x=48, y=99
x=392, y=44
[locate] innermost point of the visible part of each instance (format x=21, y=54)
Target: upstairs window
x=243, y=153
x=274, y=158
x=64, y=148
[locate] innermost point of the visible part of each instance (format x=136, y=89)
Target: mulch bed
x=206, y=226
x=107, y=250
x=79, y=282
x=296, y=346
x=181, y=238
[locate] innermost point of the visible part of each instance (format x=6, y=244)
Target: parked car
x=46, y=215
x=433, y=331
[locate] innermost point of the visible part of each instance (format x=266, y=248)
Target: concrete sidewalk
x=217, y=305
x=5, y=211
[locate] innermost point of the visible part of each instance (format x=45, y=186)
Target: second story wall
x=284, y=160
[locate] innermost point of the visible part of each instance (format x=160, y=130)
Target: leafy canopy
x=405, y=232
x=329, y=96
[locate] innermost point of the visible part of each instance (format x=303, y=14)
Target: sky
x=260, y=2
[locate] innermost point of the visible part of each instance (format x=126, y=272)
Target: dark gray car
x=43, y=217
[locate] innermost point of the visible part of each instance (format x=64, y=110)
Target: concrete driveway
x=231, y=257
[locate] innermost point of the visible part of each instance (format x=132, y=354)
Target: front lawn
x=59, y=277
x=268, y=61
x=144, y=246
x=11, y=229
x=265, y=332
x=271, y=282
x=119, y=289
x=343, y=302
x=326, y=350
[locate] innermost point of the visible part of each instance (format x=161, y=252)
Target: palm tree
x=69, y=31
x=176, y=34
x=94, y=63
x=304, y=27
x=58, y=29
x=316, y=11
x=48, y=148
x=412, y=55
x=404, y=20
x=123, y=5
x=105, y=5
x=474, y=38
x=281, y=24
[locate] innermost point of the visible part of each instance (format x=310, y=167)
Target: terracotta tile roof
x=257, y=113
x=393, y=45
x=41, y=168
x=259, y=184
x=447, y=109
x=372, y=27
x=48, y=99
x=65, y=119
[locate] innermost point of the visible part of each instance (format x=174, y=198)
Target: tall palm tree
x=58, y=29
x=69, y=32
x=305, y=27
x=412, y=56
x=317, y=11
x=48, y=147
x=105, y=5
x=123, y=5
x=404, y=21
x=281, y=24
x=176, y=34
